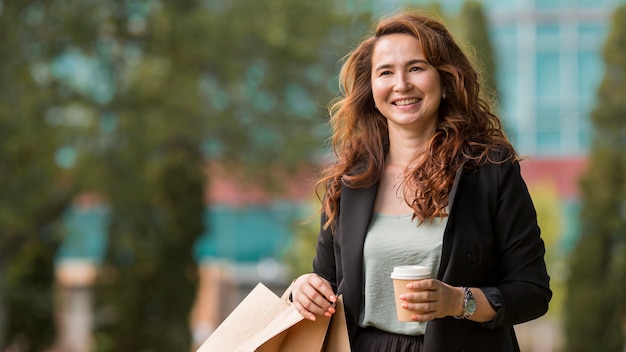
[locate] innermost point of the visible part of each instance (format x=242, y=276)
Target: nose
x=402, y=82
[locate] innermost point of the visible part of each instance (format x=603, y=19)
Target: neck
x=406, y=150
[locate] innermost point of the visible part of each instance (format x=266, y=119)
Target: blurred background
x=158, y=158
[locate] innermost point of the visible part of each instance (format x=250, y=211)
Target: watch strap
x=467, y=300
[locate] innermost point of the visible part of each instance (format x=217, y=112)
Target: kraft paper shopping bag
x=337, y=334
x=264, y=322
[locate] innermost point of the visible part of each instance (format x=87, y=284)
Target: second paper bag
x=264, y=322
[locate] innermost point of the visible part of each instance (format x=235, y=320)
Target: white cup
x=401, y=276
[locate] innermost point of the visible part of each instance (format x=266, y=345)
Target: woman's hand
x=312, y=295
x=432, y=299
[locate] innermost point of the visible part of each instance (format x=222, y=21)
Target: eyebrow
x=409, y=63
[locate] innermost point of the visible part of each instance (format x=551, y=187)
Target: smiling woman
x=406, y=88
x=424, y=176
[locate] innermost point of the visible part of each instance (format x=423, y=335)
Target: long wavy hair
x=467, y=133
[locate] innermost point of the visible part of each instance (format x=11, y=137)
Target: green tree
x=149, y=276
x=548, y=206
x=241, y=82
x=152, y=170
x=299, y=257
x=473, y=21
x=36, y=182
x=129, y=98
x=596, y=295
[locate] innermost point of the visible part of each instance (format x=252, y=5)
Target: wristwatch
x=469, y=304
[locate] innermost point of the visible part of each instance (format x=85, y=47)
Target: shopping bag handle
x=286, y=297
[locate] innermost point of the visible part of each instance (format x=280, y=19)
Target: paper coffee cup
x=401, y=276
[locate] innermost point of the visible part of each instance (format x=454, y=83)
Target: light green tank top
x=392, y=241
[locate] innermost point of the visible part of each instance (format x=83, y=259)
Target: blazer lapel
x=356, y=210
x=455, y=186
x=446, y=250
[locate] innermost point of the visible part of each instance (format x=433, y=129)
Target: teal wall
x=85, y=234
x=237, y=234
x=247, y=234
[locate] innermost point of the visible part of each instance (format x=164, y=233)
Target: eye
x=384, y=73
x=416, y=69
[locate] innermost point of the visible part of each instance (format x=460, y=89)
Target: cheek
x=434, y=83
x=378, y=91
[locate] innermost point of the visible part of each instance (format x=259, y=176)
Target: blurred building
x=247, y=234
x=76, y=269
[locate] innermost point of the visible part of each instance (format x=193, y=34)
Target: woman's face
x=406, y=88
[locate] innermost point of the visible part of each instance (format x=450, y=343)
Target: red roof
x=226, y=188
x=564, y=173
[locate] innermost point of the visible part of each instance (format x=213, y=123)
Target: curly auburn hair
x=466, y=134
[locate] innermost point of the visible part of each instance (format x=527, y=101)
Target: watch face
x=471, y=306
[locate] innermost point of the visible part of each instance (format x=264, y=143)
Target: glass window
x=548, y=126
x=505, y=46
x=512, y=135
x=584, y=139
x=590, y=70
x=504, y=37
x=594, y=3
x=547, y=4
x=568, y=62
x=592, y=35
x=585, y=130
x=548, y=142
x=507, y=87
x=548, y=35
x=526, y=142
x=501, y=5
x=548, y=116
x=547, y=76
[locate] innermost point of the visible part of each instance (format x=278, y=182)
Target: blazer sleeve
x=324, y=263
x=524, y=283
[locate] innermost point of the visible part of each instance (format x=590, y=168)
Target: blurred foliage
x=299, y=257
x=548, y=206
x=128, y=98
x=596, y=302
x=29, y=297
x=35, y=188
x=237, y=82
x=432, y=8
x=147, y=284
x=473, y=26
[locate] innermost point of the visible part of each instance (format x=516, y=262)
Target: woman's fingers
x=323, y=287
x=430, y=299
x=312, y=295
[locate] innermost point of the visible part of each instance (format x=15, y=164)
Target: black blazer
x=491, y=240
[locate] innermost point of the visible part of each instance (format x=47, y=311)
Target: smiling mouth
x=405, y=102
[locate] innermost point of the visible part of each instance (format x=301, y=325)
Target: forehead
x=397, y=46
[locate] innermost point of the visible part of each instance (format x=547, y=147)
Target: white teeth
x=406, y=101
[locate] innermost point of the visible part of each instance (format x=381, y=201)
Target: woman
x=423, y=175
